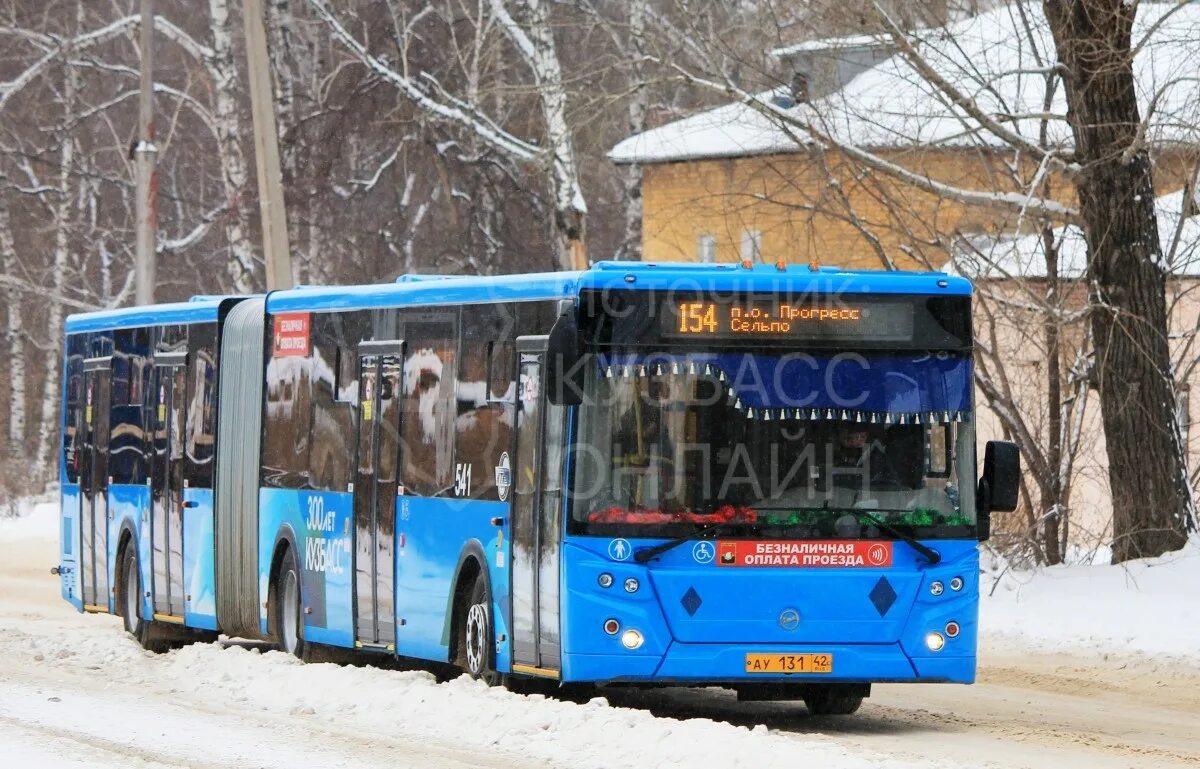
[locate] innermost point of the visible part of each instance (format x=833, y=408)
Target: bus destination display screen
x=783, y=319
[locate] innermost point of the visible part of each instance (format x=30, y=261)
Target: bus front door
x=375, y=491
x=536, y=519
x=93, y=482
x=166, y=488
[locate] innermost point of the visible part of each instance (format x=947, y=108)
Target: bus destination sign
x=821, y=320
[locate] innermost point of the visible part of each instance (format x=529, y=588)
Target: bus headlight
x=934, y=641
x=936, y=587
x=632, y=585
x=631, y=639
x=956, y=584
x=605, y=580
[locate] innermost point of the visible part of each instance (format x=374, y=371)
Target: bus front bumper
x=698, y=663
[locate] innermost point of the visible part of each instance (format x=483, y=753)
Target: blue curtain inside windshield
x=909, y=384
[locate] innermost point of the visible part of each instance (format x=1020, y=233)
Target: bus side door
x=166, y=491
x=536, y=518
x=93, y=483
x=375, y=491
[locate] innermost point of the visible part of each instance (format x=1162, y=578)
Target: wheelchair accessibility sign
x=704, y=552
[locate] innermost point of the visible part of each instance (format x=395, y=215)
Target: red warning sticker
x=292, y=335
x=804, y=553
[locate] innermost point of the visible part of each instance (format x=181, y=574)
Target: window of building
x=707, y=249
x=751, y=245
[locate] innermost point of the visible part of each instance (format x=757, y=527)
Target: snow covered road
x=75, y=692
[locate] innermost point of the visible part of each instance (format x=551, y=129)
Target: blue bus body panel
x=323, y=543
x=434, y=535
x=199, y=584
x=643, y=276
x=457, y=290
x=128, y=507
x=699, y=620
x=203, y=311
x=69, y=545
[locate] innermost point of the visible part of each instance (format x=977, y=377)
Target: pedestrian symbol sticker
x=703, y=552
x=619, y=549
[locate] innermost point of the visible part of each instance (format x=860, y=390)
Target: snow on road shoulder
x=462, y=712
x=1149, y=607
x=37, y=518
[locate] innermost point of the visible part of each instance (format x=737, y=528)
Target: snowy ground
x=74, y=691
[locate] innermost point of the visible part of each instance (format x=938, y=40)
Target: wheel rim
x=291, y=613
x=132, y=604
x=476, y=638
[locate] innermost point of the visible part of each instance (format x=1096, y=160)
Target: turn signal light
x=952, y=629
x=611, y=626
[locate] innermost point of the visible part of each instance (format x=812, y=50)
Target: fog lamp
x=631, y=639
x=934, y=641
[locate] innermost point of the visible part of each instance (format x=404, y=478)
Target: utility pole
x=146, y=157
x=276, y=250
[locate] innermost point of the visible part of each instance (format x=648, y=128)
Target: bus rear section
x=772, y=491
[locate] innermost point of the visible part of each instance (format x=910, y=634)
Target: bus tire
x=289, y=611
x=130, y=603
x=476, y=651
x=832, y=700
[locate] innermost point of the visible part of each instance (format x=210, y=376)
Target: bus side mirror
x=999, y=487
x=565, y=361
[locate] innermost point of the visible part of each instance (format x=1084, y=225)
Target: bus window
x=427, y=422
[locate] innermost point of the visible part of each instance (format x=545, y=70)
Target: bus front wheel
x=288, y=611
x=833, y=700
x=475, y=648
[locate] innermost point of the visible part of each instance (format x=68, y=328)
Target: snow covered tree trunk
x=14, y=337
x=1152, y=504
x=223, y=68
x=537, y=47
x=631, y=243
x=48, y=415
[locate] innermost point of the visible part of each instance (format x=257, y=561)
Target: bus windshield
x=775, y=445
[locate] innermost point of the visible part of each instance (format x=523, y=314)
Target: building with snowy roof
x=738, y=181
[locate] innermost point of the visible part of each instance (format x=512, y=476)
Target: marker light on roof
x=747, y=264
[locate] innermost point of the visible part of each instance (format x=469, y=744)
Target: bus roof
x=199, y=309
x=471, y=289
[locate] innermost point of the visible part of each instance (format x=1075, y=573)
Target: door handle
x=497, y=521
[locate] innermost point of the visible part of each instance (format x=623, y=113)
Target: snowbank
x=37, y=518
x=1149, y=606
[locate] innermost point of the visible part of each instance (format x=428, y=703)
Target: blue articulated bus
x=761, y=477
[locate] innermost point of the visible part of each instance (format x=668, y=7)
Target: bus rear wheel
x=476, y=655
x=833, y=700
x=130, y=602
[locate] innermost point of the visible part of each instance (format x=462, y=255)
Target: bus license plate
x=789, y=663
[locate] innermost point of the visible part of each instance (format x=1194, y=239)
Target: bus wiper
x=930, y=554
x=645, y=554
